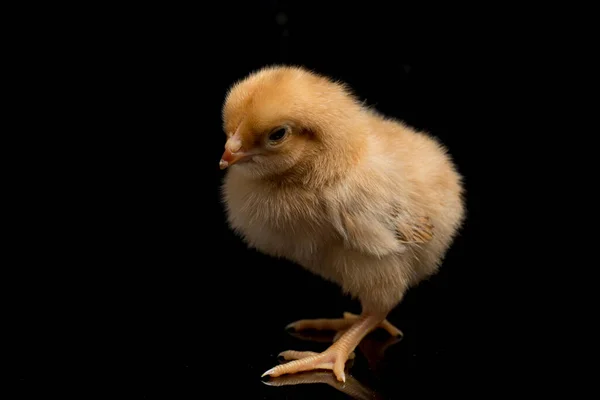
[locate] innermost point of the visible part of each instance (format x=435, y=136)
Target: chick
x=360, y=199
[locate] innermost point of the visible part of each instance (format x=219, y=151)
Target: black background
x=128, y=276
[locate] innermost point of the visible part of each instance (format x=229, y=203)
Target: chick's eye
x=277, y=135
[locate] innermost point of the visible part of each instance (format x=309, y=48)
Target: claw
x=290, y=326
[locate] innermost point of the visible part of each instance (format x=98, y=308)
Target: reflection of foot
x=338, y=324
x=373, y=349
x=351, y=387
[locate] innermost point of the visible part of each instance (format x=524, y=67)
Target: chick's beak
x=233, y=153
x=230, y=158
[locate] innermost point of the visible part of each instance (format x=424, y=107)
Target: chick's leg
x=338, y=324
x=335, y=356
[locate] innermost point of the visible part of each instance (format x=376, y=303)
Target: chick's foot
x=334, y=358
x=298, y=355
x=338, y=324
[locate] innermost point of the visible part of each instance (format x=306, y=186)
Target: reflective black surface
x=164, y=328
x=129, y=282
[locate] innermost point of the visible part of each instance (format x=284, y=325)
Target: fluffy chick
x=360, y=199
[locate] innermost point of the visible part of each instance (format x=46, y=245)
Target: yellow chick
x=358, y=198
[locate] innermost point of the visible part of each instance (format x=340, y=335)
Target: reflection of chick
x=357, y=198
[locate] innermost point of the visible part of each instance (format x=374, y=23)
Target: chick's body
x=353, y=196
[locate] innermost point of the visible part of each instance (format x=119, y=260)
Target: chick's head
x=276, y=119
x=270, y=148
